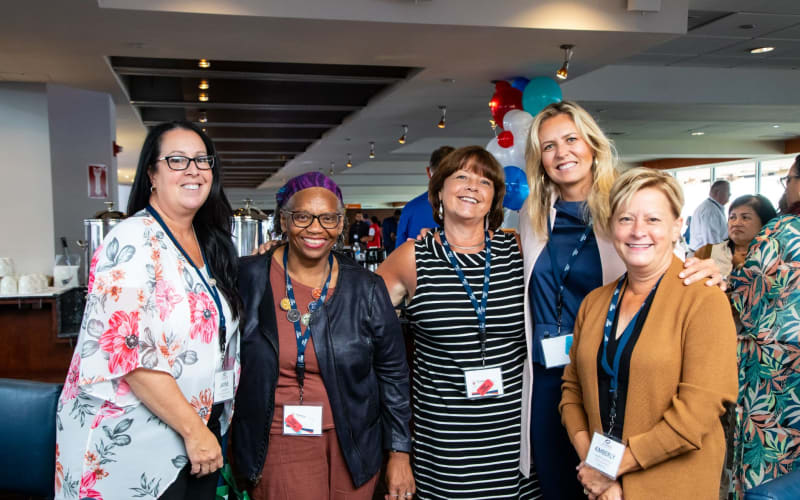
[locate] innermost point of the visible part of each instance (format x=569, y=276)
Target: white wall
x=26, y=203
x=82, y=130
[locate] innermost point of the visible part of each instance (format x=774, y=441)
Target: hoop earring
x=595, y=162
x=441, y=211
x=486, y=223
x=152, y=188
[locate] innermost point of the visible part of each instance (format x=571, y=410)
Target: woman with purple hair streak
x=325, y=381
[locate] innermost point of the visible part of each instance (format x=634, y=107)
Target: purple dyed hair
x=305, y=181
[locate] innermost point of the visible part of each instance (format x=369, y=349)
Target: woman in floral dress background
x=766, y=293
x=150, y=387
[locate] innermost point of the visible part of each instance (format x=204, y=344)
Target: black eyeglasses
x=305, y=219
x=785, y=180
x=180, y=162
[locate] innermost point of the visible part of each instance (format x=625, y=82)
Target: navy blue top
x=416, y=214
x=584, y=276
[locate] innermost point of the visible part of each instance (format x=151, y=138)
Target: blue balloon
x=540, y=92
x=516, y=187
x=519, y=83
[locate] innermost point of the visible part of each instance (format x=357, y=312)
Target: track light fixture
x=331, y=172
x=202, y=97
x=204, y=63
x=203, y=85
x=203, y=117
x=563, y=72
x=371, y=150
x=402, y=139
x=442, y=122
x=349, y=163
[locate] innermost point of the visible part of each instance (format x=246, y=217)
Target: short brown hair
x=636, y=179
x=474, y=159
x=438, y=155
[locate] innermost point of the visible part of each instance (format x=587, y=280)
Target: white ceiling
x=641, y=75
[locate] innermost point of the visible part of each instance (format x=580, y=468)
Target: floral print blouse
x=147, y=308
x=766, y=293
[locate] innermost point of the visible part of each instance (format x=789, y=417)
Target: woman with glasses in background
x=325, y=381
x=766, y=294
x=150, y=388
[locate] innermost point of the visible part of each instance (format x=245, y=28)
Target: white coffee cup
x=8, y=285
x=6, y=266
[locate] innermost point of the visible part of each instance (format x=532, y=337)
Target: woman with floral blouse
x=766, y=293
x=150, y=388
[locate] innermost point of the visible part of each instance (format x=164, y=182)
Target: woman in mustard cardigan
x=652, y=361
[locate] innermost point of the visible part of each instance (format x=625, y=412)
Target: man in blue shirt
x=389, y=230
x=417, y=213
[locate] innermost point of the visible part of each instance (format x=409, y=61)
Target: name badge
x=302, y=420
x=484, y=382
x=223, y=386
x=605, y=454
x=556, y=350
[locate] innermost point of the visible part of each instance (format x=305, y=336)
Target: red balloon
x=505, y=99
x=505, y=139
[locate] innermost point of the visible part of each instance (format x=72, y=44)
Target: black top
x=604, y=380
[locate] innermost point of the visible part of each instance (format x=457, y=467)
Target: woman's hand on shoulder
x=266, y=247
x=696, y=269
x=399, y=478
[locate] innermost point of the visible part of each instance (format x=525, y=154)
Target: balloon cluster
x=513, y=106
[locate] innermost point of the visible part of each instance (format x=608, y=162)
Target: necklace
x=473, y=247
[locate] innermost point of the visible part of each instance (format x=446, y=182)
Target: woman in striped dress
x=464, y=287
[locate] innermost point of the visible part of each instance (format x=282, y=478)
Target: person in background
x=708, y=221
x=325, y=381
x=463, y=285
x=652, y=362
x=567, y=253
x=417, y=214
x=359, y=231
x=766, y=294
x=374, y=233
x=150, y=388
x=746, y=216
x=389, y=231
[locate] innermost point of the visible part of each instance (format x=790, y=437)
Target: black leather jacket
x=361, y=353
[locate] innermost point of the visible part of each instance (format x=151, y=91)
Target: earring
x=441, y=210
x=152, y=188
x=595, y=162
x=486, y=223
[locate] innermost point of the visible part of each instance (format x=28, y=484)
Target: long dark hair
x=211, y=222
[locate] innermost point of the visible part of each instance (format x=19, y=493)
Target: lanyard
x=480, y=309
x=300, y=336
x=211, y=287
x=561, y=278
x=611, y=317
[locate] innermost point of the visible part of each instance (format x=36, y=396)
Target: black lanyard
x=300, y=336
x=212, y=288
x=480, y=309
x=611, y=319
x=561, y=278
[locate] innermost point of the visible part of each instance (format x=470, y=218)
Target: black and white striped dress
x=467, y=448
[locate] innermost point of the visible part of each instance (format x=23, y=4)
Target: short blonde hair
x=604, y=167
x=636, y=179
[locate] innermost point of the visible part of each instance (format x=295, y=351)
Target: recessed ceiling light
x=697, y=132
x=746, y=26
x=776, y=126
x=761, y=50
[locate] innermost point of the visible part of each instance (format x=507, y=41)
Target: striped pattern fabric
x=467, y=448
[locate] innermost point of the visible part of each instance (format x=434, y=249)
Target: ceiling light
x=203, y=117
x=331, y=170
x=776, y=126
x=697, y=132
x=761, y=50
x=205, y=129
x=203, y=85
x=204, y=63
x=442, y=123
x=371, y=150
x=349, y=163
x=202, y=96
x=563, y=71
x=402, y=139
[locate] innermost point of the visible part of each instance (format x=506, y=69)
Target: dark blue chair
x=786, y=487
x=28, y=434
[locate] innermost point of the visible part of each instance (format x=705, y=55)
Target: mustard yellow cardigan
x=683, y=368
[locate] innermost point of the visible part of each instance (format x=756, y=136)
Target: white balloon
x=516, y=152
x=518, y=122
x=502, y=155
